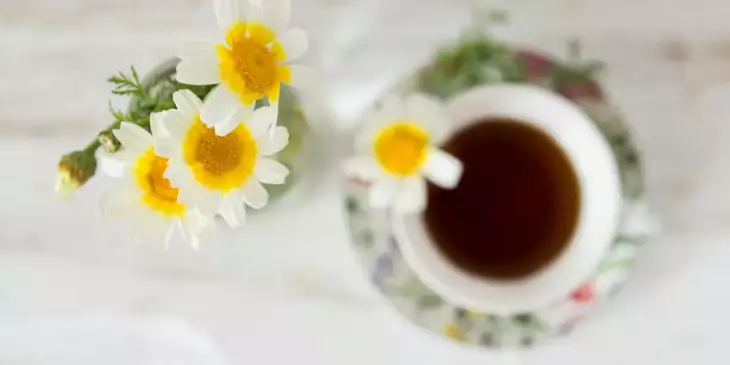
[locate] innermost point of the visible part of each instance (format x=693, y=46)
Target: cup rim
x=599, y=214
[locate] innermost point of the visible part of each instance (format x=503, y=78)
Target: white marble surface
x=74, y=290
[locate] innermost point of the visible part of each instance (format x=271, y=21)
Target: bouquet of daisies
x=205, y=141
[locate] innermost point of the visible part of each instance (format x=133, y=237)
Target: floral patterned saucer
x=470, y=63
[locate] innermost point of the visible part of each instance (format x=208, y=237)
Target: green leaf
x=117, y=114
x=127, y=84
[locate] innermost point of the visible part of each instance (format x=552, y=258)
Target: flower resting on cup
x=215, y=173
x=397, y=150
x=145, y=196
x=250, y=62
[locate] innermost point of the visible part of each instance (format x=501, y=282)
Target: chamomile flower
x=251, y=62
x=218, y=174
x=145, y=196
x=397, y=152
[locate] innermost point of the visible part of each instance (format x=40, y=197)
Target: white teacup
x=598, y=216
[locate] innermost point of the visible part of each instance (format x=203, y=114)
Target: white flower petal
x=254, y=194
x=190, y=235
x=166, y=232
x=123, y=155
x=112, y=167
x=233, y=210
x=294, y=42
x=122, y=202
x=254, y=13
x=194, y=242
x=241, y=115
x=363, y=167
x=195, y=222
x=157, y=125
x=133, y=137
x=388, y=111
x=443, y=169
x=208, y=202
x=167, y=147
x=269, y=145
x=274, y=105
x=192, y=225
x=116, y=164
x=209, y=224
x=365, y=139
x=220, y=106
x=193, y=195
x=411, y=195
x=178, y=172
x=269, y=171
x=176, y=123
x=276, y=14
x=187, y=102
x=261, y=121
x=198, y=71
x=429, y=113
x=391, y=110
x=381, y=193
x=225, y=127
x=302, y=76
x=228, y=12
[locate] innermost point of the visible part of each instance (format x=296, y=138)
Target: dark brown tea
x=515, y=207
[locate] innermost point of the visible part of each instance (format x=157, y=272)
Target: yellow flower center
x=401, y=148
x=159, y=195
x=219, y=162
x=248, y=65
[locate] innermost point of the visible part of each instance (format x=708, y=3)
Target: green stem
x=112, y=127
x=92, y=147
x=108, y=141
